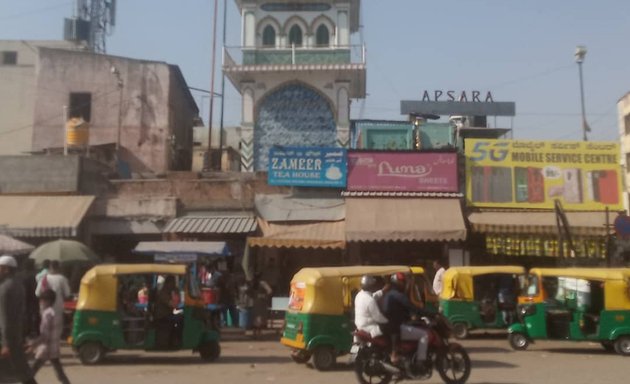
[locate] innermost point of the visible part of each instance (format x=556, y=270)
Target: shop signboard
x=533, y=174
x=308, y=167
x=402, y=172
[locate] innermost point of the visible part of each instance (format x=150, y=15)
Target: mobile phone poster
x=584, y=176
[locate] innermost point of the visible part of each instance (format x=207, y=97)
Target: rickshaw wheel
x=518, y=341
x=324, y=358
x=300, y=356
x=210, y=351
x=460, y=330
x=91, y=353
x=622, y=345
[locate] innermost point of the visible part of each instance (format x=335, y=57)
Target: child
x=46, y=346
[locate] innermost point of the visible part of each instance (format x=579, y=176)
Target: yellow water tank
x=77, y=133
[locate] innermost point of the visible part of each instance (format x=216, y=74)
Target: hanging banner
x=308, y=167
x=533, y=174
x=402, y=172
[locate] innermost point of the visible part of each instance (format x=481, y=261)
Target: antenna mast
x=92, y=23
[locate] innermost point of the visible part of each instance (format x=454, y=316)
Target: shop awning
x=11, y=246
x=43, y=216
x=404, y=220
x=543, y=223
x=212, y=224
x=326, y=235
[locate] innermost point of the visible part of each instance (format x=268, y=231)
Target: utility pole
x=223, y=82
x=580, y=53
x=214, y=55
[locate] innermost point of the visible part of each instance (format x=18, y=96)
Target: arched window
x=322, y=36
x=269, y=37
x=295, y=36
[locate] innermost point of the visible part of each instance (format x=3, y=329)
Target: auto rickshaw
x=578, y=304
x=480, y=297
x=319, y=320
x=111, y=315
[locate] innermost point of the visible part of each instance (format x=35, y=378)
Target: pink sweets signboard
x=402, y=172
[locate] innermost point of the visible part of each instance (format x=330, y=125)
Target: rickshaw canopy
x=458, y=281
x=99, y=285
x=316, y=290
x=616, y=282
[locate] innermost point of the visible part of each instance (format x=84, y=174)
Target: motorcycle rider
x=367, y=315
x=398, y=309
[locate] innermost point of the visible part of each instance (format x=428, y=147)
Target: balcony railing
x=236, y=56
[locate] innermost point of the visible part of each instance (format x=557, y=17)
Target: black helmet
x=399, y=280
x=368, y=283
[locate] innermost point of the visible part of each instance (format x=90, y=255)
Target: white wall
x=17, y=94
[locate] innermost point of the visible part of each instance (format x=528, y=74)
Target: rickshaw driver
x=166, y=320
x=398, y=309
x=367, y=316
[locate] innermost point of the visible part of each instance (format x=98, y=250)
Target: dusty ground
x=246, y=361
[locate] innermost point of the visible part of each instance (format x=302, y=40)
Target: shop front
x=295, y=232
x=403, y=208
x=540, y=203
x=532, y=238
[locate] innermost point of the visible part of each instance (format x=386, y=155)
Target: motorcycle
x=373, y=365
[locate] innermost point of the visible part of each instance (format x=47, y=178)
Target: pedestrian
x=44, y=271
x=46, y=345
x=59, y=284
x=261, y=292
x=12, y=311
x=439, y=276
x=28, y=278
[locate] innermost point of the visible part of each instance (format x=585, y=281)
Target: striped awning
x=325, y=235
x=211, y=224
x=43, y=216
x=404, y=219
x=536, y=222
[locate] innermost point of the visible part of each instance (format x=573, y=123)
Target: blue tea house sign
x=308, y=167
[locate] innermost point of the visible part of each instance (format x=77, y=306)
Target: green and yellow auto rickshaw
x=480, y=297
x=578, y=304
x=319, y=320
x=114, y=313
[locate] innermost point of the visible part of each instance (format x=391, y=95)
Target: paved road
x=246, y=361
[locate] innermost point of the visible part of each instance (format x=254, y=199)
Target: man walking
x=12, y=311
x=439, y=276
x=57, y=282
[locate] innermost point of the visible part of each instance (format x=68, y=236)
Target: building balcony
x=293, y=55
x=348, y=63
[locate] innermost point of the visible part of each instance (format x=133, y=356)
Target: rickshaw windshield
x=532, y=286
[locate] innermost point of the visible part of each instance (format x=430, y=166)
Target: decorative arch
x=299, y=21
x=268, y=20
x=294, y=114
x=322, y=36
x=322, y=19
x=263, y=25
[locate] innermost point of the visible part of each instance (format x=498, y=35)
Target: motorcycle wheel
x=369, y=371
x=453, y=365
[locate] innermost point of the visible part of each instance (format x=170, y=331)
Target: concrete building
x=18, y=76
x=142, y=107
x=623, y=108
x=297, y=72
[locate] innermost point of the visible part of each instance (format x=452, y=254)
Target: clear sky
x=520, y=50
